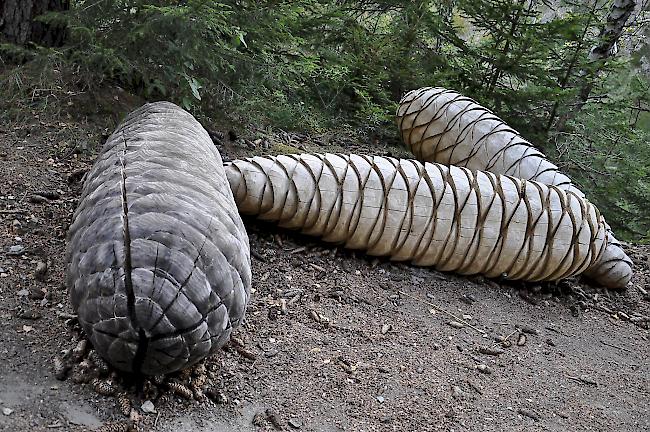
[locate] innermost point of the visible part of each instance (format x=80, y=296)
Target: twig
x=17, y=211
x=439, y=309
x=583, y=380
x=616, y=346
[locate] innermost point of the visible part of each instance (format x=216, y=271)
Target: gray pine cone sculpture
x=158, y=258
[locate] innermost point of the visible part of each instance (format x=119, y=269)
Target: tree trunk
x=605, y=48
x=18, y=24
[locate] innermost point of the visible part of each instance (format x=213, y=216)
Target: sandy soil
x=333, y=341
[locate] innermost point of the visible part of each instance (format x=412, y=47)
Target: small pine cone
x=184, y=375
x=199, y=369
x=124, y=404
x=199, y=381
x=162, y=401
x=150, y=390
x=120, y=426
x=61, y=368
x=198, y=394
x=180, y=389
x=159, y=379
x=217, y=396
x=80, y=350
x=99, y=362
x=104, y=387
x=80, y=375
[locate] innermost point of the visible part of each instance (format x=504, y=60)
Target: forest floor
x=333, y=340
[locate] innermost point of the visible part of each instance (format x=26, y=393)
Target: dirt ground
x=333, y=341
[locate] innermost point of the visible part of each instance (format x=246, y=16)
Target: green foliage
x=315, y=65
x=607, y=154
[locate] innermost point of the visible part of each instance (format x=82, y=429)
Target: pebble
x=16, y=250
x=456, y=324
x=148, y=407
x=386, y=328
x=457, y=392
x=380, y=399
x=41, y=271
x=294, y=423
x=484, y=369
x=7, y=411
x=522, y=339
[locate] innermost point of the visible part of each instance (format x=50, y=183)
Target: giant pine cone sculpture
x=427, y=214
x=158, y=257
x=442, y=126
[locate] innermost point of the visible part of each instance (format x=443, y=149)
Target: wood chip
x=493, y=351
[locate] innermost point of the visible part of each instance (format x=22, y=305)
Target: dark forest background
x=571, y=76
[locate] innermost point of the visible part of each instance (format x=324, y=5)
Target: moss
x=280, y=148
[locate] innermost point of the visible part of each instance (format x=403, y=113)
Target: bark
x=604, y=49
x=18, y=23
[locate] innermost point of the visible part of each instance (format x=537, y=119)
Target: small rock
x=41, y=271
x=550, y=342
x=484, y=369
x=522, y=339
x=457, y=392
x=380, y=399
x=563, y=414
x=271, y=353
x=36, y=293
x=148, y=407
x=16, y=250
x=7, y=411
x=295, y=423
x=23, y=293
x=386, y=328
x=456, y=324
